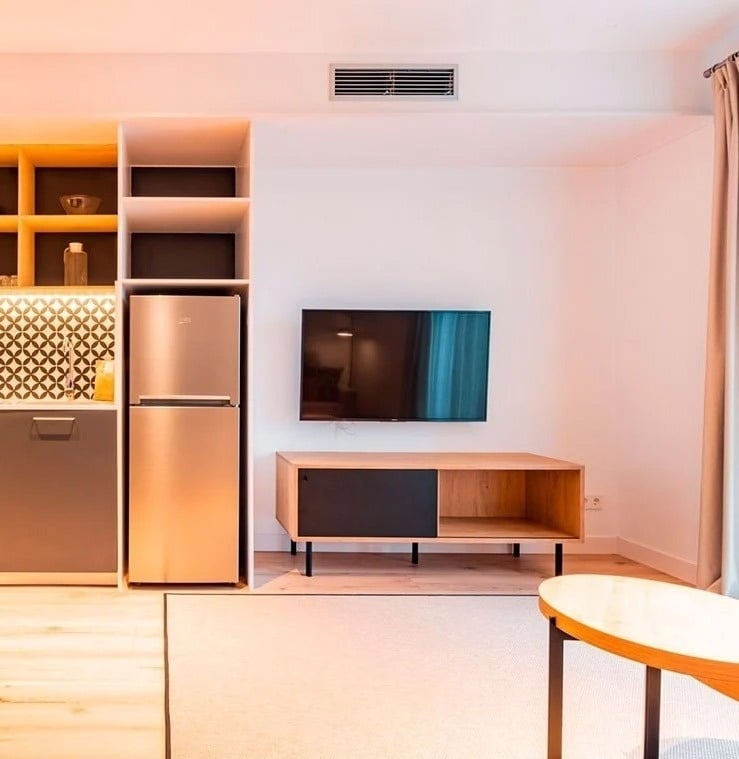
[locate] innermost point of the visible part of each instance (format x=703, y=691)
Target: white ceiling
x=360, y=26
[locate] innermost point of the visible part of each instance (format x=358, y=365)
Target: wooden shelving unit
x=43, y=173
x=429, y=498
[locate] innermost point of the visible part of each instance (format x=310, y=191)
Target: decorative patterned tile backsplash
x=32, y=332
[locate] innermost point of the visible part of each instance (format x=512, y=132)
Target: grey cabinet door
x=58, y=485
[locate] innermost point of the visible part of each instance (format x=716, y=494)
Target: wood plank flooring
x=81, y=674
x=82, y=669
x=494, y=573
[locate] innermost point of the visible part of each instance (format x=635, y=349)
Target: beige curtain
x=718, y=543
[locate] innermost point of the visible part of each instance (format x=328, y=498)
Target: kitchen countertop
x=33, y=404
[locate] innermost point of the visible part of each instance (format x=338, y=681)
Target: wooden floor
x=346, y=572
x=82, y=669
x=81, y=674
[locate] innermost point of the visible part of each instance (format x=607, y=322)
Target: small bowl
x=80, y=203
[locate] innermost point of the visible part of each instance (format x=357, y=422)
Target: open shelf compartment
x=184, y=181
x=8, y=190
x=518, y=505
x=183, y=256
x=51, y=183
x=8, y=253
x=48, y=258
x=164, y=141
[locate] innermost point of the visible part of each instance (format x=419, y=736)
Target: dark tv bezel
x=484, y=418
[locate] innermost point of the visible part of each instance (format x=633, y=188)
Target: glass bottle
x=75, y=265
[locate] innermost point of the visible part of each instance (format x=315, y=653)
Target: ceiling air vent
x=423, y=82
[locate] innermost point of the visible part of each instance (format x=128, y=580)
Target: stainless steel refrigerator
x=184, y=439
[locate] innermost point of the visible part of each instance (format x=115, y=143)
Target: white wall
x=663, y=207
x=533, y=245
x=597, y=279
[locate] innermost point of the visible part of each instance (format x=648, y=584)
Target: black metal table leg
x=556, y=669
x=309, y=559
x=293, y=547
x=558, y=559
x=516, y=550
x=414, y=553
x=651, y=713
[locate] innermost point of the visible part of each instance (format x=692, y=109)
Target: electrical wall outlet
x=593, y=502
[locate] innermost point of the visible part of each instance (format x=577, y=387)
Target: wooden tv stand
x=429, y=498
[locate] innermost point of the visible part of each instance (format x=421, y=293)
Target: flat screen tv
x=429, y=366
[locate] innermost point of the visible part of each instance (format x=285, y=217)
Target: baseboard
x=58, y=578
x=664, y=562
x=594, y=545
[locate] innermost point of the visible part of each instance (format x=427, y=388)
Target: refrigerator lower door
x=183, y=495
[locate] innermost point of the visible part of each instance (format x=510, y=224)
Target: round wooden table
x=659, y=624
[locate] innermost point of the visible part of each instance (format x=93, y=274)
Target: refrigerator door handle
x=184, y=400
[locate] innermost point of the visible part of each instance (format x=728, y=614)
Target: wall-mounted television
x=381, y=365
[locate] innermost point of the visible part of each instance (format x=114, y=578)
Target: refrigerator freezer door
x=183, y=495
x=184, y=345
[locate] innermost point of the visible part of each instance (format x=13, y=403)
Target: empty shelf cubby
x=183, y=181
x=8, y=190
x=8, y=253
x=183, y=256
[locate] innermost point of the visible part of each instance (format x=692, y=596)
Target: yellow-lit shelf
x=8, y=155
x=70, y=223
x=70, y=156
x=58, y=290
x=8, y=223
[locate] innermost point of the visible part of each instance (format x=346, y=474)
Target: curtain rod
x=707, y=73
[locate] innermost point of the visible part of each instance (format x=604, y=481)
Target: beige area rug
x=412, y=677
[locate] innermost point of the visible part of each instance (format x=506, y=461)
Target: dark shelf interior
x=101, y=250
x=183, y=256
x=183, y=182
x=8, y=190
x=8, y=253
x=51, y=183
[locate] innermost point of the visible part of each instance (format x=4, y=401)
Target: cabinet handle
x=49, y=427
